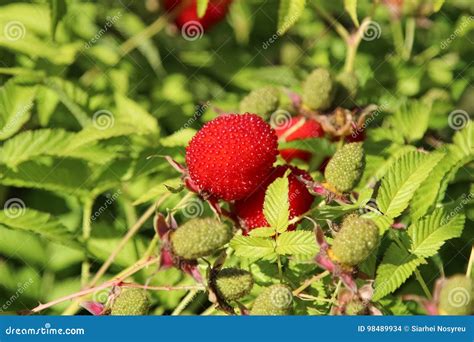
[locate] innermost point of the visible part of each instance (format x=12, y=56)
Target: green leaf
x=262, y=232
x=58, y=9
x=402, y=180
x=433, y=188
x=62, y=176
x=276, y=207
x=253, y=247
x=202, y=7
x=15, y=106
x=17, y=216
x=411, y=120
x=131, y=112
x=288, y=13
x=296, y=243
x=351, y=7
x=432, y=231
x=396, y=267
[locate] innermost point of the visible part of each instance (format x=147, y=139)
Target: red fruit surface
x=232, y=155
x=309, y=129
x=216, y=11
x=250, y=209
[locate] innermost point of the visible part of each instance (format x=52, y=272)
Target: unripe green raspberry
x=344, y=170
x=456, y=296
x=130, y=302
x=199, y=238
x=233, y=283
x=262, y=101
x=318, y=90
x=355, y=307
x=355, y=241
x=347, y=86
x=275, y=300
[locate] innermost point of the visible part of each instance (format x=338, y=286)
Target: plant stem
x=184, y=302
x=280, y=270
x=409, y=38
x=130, y=233
x=310, y=281
x=86, y=234
x=341, y=30
x=336, y=291
x=116, y=280
x=423, y=284
x=469, y=265
x=166, y=288
x=353, y=43
x=210, y=310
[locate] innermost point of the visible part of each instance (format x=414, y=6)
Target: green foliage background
x=84, y=120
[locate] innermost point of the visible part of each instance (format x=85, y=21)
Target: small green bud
x=345, y=168
x=318, y=90
x=275, y=300
x=130, y=302
x=290, y=54
x=347, y=86
x=262, y=101
x=356, y=307
x=233, y=283
x=355, y=241
x=456, y=296
x=199, y=238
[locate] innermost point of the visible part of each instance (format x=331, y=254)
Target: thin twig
x=116, y=280
x=184, y=302
x=310, y=281
x=471, y=261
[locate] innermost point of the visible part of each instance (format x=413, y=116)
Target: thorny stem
x=280, y=270
x=116, y=280
x=185, y=302
x=166, y=288
x=310, y=281
x=74, y=307
x=209, y=311
x=304, y=296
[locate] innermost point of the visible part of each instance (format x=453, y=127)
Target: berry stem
x=310, y=281
x=114, y=281
x=423, y=285
x=185, y=302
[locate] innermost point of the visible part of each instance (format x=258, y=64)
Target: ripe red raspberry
x=250, y=209
x=216, y=11
x=232, y=155
x=309, y=129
